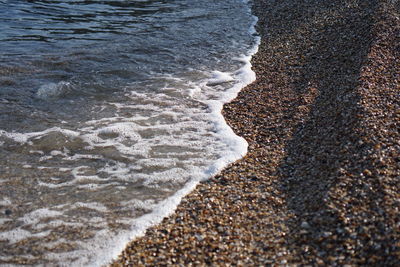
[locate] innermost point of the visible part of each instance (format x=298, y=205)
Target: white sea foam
x=219, y=78
x=17, y=235
x=54, y=90
x=26, y=137
x=244, y=76
x=35, y=216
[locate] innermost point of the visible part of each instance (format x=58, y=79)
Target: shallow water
x=109, y=113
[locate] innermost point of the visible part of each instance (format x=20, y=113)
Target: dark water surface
x=109, y=112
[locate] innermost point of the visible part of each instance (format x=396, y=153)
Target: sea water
x=110, y=112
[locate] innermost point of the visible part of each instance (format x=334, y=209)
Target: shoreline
x=320, y=182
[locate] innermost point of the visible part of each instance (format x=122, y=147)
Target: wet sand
x=321, y=182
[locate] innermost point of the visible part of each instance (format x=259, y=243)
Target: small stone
x=326, y=234
x=367, y=172
x=305, y=225
x=199, y=237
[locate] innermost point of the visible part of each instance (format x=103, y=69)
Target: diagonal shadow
x=329, y=77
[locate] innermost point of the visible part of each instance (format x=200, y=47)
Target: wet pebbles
x=321, y=182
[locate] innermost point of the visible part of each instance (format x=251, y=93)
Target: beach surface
x=320, y=184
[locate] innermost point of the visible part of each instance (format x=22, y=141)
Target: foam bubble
x=54, y=90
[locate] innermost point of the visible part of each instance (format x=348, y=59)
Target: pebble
x=305, y=225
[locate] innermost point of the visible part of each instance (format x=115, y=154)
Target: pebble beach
x=320, y=184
